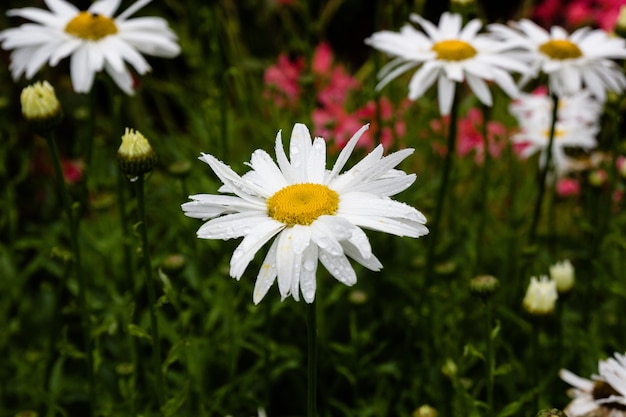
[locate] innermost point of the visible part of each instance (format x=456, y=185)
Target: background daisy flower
x=94, y=39
x=311, y=213
x=449, y=54
x=604, y=394
x=583, y=58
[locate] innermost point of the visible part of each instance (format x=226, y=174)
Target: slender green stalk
x=82, y=298
x=483, y=191
x=443, y=189
x=544, y=172
x=490, y=355
x=311, y=321
x=535, y=365
x=154, y=325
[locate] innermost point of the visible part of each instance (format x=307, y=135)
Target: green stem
x=443, y=189
x=311, y=321
x=82, y=298
x=483, y=192
x=154, y=325
x=544, y=172
x=490, y=356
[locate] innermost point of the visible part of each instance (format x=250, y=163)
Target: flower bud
x=40, y=106
x=563, y=274
x=483, y=285
x=135, y=155
x=540, y=296
x=620, y=24
x=425, y=411
x=551, y=412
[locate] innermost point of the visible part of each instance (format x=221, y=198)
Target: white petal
x=346, y=152
x=308, y=283
x=231, y=226
x=291, y=245
x=299, y=149
x=104, y=7
x=423, y=79
x=82, y=77
x=479, y=87
x=339, y=267
x=268, y=172
x=244, y=253
x=316, y=163
x=60, y=7
x=267, y=274
x=576, y=381
x=446, y=94
x=122, y=78
x=132, y=9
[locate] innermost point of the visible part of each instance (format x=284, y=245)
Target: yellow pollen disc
x=90, y=26
x=453, y=50
x=302, y=203
x=560, y=49
x=558, y=134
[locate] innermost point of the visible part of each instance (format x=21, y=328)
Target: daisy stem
x=311, y=321
x=543, y=176
x=82, y=298
x=490, y=354
x=154, y=325
x=483, y=193
x=443, y=189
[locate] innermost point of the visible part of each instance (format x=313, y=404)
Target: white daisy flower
x=602, y=395
x=571, y=61
x=313, y=213
x=573, y=129
x=447, y=54
x=94, y=38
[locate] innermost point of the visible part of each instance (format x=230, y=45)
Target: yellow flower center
x=558, y=134
x=90, y=26
x=560, y=49
x=453, y=50
x=302, y=203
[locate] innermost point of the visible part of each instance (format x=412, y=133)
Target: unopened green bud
x=483, y=285
x=425, y=411
x=551, y=412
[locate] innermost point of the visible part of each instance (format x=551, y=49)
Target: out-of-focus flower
x=567, y=187
x=602, y=395
x=72, y=170
x=571, y=61
x=425, y=411
x=563, y=274
x=40, y=106
x=447, y=54
x=470, y=137
x=483, y=285
x=540, y=296
x=576, y=127
x=94, y=38
x=281, y=81
x=311, y=213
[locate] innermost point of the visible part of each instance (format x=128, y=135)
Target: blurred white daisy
x=603, y=395
x=313, y=213
x=94, y=38
x=571, y=61
x=540, y=296
x=448, y=54
x=576, y=127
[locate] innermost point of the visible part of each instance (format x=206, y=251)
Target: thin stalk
x=489, y=356
x=443, y=189
x=82, y=298
x=154, y=325
x=311, y=321
x=483, y=192
x=544, y=172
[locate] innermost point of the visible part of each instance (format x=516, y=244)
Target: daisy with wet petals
x=93, y=38
x=311, y=213
x=602, y=395
x=571, y=61
x=448, y=54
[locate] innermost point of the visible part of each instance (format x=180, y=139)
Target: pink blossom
x=72, y=170
x=470, y=138
x=281, y=81
x=567, y=187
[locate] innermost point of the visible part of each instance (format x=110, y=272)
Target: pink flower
x=567, y=187
x=470, y=138
x=72, y=170
x=281, y=81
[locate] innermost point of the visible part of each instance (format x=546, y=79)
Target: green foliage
x=388, y=345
